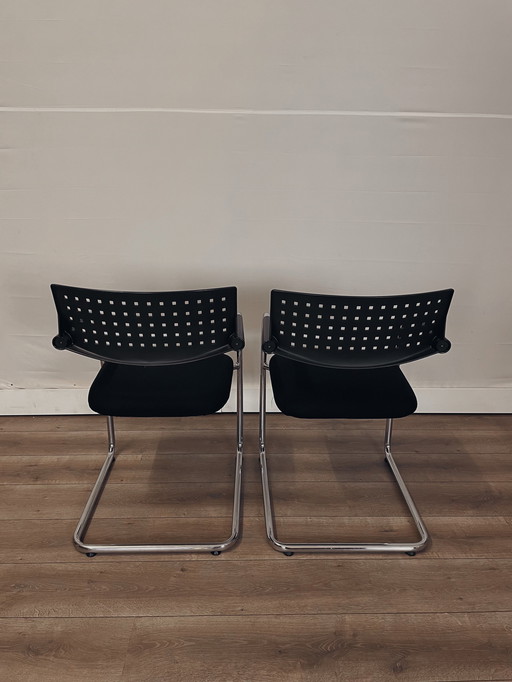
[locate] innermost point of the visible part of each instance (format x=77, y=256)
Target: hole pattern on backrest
x=333, y=325
x=150, y=324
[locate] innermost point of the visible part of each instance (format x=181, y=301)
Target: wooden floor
x=253, y=614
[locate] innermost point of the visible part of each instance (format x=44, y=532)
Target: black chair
x=338, y=357
x=163, y=354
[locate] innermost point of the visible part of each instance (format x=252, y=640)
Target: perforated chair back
x=357, y=331
x=146, y=328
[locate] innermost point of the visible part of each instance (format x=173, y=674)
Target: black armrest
x=268, y=342
x=441, y=345
x=62, y=341
x=237, y=340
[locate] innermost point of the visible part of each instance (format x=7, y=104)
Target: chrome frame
x=291, y=547
x=95, y=496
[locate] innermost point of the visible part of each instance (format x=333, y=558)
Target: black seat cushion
x=184, y=390
x=312, y=392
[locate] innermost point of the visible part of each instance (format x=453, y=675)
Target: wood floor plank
x=55, y=469
x=336, y=499
x=312, y=440
x=49, y=540
x=412, y=647
x=150, y=500
x=371, y=467
x=66, y=469
x=376, y=499
x=290, y=499
x=63, y=649
x=136, y=443
x=92, y=422
x=181, y=588
x=50, y=469
x=415, y=422
x=451, y=537
x=415, y=647
x=368, y=441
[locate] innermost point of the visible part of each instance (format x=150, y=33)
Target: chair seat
x=185, y=390
x=312, y=392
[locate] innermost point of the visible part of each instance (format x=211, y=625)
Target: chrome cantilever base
x=215, y=547
x=292, y=547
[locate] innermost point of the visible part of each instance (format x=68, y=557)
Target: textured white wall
x=341, y=146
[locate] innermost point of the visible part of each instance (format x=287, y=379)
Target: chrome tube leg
x=214, y=547
x=388, y=434
x=237, y=493
x=424, y=537
x=239, y=401
x=111, y=434
x=263, y=402
x=267, y=501
x=94, y=497
x=291, y=547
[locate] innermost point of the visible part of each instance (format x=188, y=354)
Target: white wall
x=337, y=146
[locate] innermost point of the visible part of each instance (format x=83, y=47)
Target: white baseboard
x=430, y=400
x=464, y=400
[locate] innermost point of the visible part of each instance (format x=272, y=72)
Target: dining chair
x=162, y=354
x=339, y=357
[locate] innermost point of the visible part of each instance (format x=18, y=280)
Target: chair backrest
x=358, y=331
x=146, y=328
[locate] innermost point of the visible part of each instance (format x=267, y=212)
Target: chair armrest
x=240, y=327
x=237, y=340
x=62, y=341
x=441, y=345
x=268, y=342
